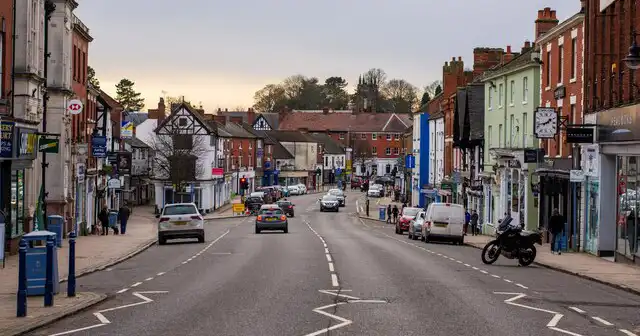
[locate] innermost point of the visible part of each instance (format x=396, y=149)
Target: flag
x=38, y=214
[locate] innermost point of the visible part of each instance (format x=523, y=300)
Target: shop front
x=475, y=199
x=617, y=231
x=555, y=193
x=591, y=197
x=81, y=223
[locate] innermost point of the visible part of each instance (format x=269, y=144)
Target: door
x=513, y=197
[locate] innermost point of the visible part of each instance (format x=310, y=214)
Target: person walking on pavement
x=103, y=217
x=467, y=219
x=395, y=214
x=389, y=214
x=474, y=223
x=123, y=215
x=556, y=225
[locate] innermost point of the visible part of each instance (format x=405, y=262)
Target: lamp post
x=632, y=60
x=49, y=8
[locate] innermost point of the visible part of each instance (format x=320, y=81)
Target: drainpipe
x=49, y=7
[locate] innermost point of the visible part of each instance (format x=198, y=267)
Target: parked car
x=271, y=218
x=444, y=221
x=180, y=220
x=294, y=190
x=375, y=190
x=303, y=188
x=329, y=203
x=407, y=215
x=356, y=182
x=253, y=203
x=287, y=207
x=415, y=226
x=339, y=194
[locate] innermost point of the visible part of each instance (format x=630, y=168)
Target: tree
x=303, y=93
x=432, y=89
x=424, y=100
x=93, y=80
x=438, y=90
x=360, y=153
x=270, y=98
x=335, y=95
x=177, y=156
x=401, y=96
x=127, y=96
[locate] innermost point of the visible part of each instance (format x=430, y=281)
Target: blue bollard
x=71, y=279
x=22, y=280
x=48, y=285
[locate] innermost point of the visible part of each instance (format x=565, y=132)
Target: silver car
x=415, y=226
x=329, y=203
x=339, y=194
x=180, y=220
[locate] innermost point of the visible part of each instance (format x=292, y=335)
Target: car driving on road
x=180, y=220
x=287, y=207
x=339, y=194
x=271, y=218
x=375, y=190
x=329, y=203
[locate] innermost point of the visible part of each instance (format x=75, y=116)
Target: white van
x=444, y=221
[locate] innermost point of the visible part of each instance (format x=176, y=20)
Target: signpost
x=75, y=106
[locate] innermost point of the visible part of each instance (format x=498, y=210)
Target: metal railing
x=78, y=23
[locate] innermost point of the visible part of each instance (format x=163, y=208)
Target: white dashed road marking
x=601, y=320
x=334, y=277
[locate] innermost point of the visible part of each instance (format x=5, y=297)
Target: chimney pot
x=508, y=49
x=459, y=58
x=219, y=109
x=453, y=59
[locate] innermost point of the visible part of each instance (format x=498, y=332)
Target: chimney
x=526, y=47
x=226, y=110
x=508, y=55
x=221, y=119
x=546, y=21
x=219, y=110
x=486, y=58
x=325, y=110
x=251, y=116
x=283, y=113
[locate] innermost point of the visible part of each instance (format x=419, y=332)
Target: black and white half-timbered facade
x=266, y=122
x=186, y=164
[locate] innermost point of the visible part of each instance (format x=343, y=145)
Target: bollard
x=71, y=279
x=22, y=280
x=48, y=285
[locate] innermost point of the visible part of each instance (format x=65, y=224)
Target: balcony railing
x=77, y=23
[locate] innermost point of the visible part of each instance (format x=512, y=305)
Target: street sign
x=99, y=146
x=75, y=106
x=114, y=183
x=126, y=129
x=49, y=145
x=409, y=161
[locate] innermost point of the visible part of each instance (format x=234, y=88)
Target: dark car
x=356, y=182
x=271, y=218
x=253, y=203
x=329, y=203
x=287, y=207
x=339, y=194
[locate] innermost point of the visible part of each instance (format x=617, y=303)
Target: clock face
x=546, y=123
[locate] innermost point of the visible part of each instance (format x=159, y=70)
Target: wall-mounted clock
x=546, y=123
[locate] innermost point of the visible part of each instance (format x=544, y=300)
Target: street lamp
x=632, y=61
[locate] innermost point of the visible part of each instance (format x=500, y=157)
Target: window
x=396, y=151
x=512, y=131
x=326, y=161
x=525, y=89
x=388, y=137
x=524, y=129
x=489, y=140
x=182, y=141
x=500, y=136
x=560, y=63
x=75, y=63
x=547, y=64
x=17, y=203
x=397, y=136
x=363, y=136
x=574, y=57
x=374, y=136
x=500, y=97
x=84, y=68
x=490, y=97
x=78, y=72
x=374, y=150
x=512, y=92
x=572, y=115
x=341, y=136
x=387, y=151
x=1, y=64
x=182, y=122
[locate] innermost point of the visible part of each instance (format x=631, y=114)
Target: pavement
x=374, y=204
x=338, y=274
x=93, y=253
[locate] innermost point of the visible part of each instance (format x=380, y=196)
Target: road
x=335, y=271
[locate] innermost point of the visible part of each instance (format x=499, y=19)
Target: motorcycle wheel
x=527, y=259
x=491, y=252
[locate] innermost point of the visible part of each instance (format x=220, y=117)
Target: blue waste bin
x=382, y=211
x=37, y=262
x=55, y=223
x=113, y=218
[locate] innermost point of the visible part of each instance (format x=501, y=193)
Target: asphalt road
x=335, y=271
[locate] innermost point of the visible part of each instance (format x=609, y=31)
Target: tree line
x=373, y=92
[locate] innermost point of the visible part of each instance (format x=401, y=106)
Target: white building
x=415, y=144
x=436, y=150
x=186, y=130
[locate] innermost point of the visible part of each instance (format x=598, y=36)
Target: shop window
x=628, y=218
x=515, y=191
x=17, y=203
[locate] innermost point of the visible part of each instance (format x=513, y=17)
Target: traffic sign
x=75, y=106
x=410, y=161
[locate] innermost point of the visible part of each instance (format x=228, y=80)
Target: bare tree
x=432, y=89
x=360, y=152
x=177, y=157
x=401, y=96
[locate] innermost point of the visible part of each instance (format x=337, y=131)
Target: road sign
x=238, y=208
x=75, y=106
x=49, y=145
x=338, y=171
x=410, y=161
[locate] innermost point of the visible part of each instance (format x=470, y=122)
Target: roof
x=267, y=139
x=289, y=136
x=271, y=118
x=137, y=117
x=522, y=60
x=345, y=122
x=136, y=143
x=571, y=22
x=329, y=144
x=279, y=152
x=106, y=99
x=196, y=114
x=237, y=131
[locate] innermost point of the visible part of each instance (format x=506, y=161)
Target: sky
x=219, y=52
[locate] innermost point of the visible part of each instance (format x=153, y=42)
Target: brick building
x=453, y=76
x=6, y=45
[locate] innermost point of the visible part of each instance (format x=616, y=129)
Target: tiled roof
x=267, y=139
x=137, y=117
x=519, y=61
x=279, y=152
x=237, y=131
x=330, y=145
x=289, y=136
x=196, y=114
x=343, y=122
x=271, y=118
x=136, y=143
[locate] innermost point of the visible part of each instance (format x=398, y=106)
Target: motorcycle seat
x=526, y=233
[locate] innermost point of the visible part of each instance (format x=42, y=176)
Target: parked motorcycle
x=512, y=243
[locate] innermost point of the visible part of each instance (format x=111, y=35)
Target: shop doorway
x=628, y=214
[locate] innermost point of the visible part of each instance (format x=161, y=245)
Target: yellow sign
x=238, y=207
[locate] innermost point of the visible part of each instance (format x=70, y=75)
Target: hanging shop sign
x=6, y=139
x=124, y=163
x=75, y=106
x=580, y=135
x=114, y=183
x=126, y=129
x=26, y=143
x=80, y=172
x=619, y=124
x=49, y=145
x=99, y=146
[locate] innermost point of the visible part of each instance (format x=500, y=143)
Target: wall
x=6, y=13
x=304, y=153
x=246, y=148
x=79, y=68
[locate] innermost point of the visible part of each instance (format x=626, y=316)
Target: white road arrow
x=552, y=323
x=104, y=321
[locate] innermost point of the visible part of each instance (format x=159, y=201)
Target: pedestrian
x=474, y=223
x=395, y=214
x=123, y=215
x=389, y=214
x=556, y=225
x=103, y=217
x=467, y=219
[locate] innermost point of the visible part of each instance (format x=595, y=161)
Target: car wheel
x=409, y=236
x=321, y=209
x=201, y=239
x=286, y=229
x=422, y=238
x=162, y=240
x=257, y=230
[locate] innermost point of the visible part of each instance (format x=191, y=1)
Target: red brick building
x=79, y=72
x=561, y=51
x=6, y=52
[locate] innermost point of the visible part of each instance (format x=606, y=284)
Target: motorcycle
x=513, y=243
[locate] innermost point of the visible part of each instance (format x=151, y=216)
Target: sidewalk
x=93, y=253
x=623, y=276
x=374, y=204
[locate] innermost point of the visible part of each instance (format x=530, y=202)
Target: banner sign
x=6, y=139
x=99, y=146
x=126, y=129
x=49, y=145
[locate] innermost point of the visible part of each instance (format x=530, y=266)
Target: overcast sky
x=219, y=52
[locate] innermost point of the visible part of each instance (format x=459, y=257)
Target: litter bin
x=37, y=262
x=55, y=225
x=382, y=211
x=113, y=218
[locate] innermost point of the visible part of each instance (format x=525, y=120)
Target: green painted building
x=512, y=94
